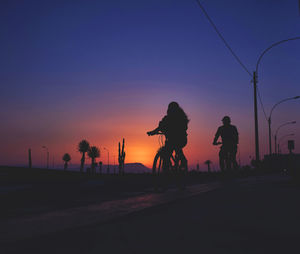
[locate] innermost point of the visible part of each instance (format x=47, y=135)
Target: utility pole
x=108, y=163
x=29, y=158
x=270, y=139
x=255, y=118
x=107, y=159
x=114, y=164
x=47, y=159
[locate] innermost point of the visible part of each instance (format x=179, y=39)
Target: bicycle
x=177, y=165
x=226, y=162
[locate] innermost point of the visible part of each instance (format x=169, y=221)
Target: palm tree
x=93, y=153
x=83, y=148
x=208, y=162
x=66, y=158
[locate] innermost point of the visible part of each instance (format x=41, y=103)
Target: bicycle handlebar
x=217, y=143
x=150, y=133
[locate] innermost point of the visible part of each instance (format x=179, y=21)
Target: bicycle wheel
x=157, y=163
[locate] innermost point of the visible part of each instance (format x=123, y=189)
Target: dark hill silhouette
x=136, y=168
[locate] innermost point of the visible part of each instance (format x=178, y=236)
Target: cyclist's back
x=174, y=126
x=229, y=135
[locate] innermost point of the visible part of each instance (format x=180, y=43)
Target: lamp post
x=114, y=164
x=255, y=116
x=45, y=147
x=288, y=135
x=269, y=120
x=275, y=137
x=255, y=93
x=107, y=159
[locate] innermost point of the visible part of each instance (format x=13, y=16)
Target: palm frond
x=83, y=146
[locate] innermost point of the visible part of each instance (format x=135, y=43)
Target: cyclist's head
x=173, y=108
x=226, y=120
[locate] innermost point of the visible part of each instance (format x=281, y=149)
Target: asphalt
x=257, y=215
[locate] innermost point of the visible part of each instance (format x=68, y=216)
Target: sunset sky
x=104, y=70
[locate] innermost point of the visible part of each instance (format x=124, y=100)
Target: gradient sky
x=104, y=70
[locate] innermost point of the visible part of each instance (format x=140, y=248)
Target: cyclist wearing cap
x=230, y=139
x=174, y=126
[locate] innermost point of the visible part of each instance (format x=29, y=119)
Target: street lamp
x=107, y=159
x=114, y=164
x=275, y=138
x=269, y=120
x=255, y=92
x=45, y=147
x=288, y=135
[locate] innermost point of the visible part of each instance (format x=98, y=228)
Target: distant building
x=283, y=162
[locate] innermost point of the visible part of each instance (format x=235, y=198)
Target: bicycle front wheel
x=157, y=164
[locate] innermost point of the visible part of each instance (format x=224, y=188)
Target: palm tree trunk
x=93, y=164
x=82, y=162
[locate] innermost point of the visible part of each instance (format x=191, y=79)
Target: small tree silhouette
x=83, y=148
x=121, y=158
x=93, y=153
x=208, y=162
x=100, y=167
x=66, y=158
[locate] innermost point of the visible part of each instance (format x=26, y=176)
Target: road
x=247, y=216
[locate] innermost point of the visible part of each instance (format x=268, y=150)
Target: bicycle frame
x=174, y=161
x=176, y=167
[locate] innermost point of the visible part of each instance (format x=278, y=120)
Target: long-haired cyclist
x=174, y=126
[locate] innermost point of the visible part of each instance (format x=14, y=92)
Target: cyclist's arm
x=155, y=131
x=216, y=137
x=236, y=135
x=161, y=127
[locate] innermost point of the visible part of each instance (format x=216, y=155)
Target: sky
x=104, y=70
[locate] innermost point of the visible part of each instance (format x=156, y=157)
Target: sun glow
x=143, y=154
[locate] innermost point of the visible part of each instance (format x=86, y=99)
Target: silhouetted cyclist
x=174, y=126
x=230, y=139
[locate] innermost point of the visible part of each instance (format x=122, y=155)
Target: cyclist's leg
x=228, y=159
x=233, y=157
x=179, y=145
x=167, y=152
x=169, y=155
x=182, y=159
x=183, y=169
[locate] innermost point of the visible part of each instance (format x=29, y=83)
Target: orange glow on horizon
x=130, y=121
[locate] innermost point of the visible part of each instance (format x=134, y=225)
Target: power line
x=222, y=38
x=232, y=52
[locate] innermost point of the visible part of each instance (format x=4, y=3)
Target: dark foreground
x=26, y=192
x=258, y=215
